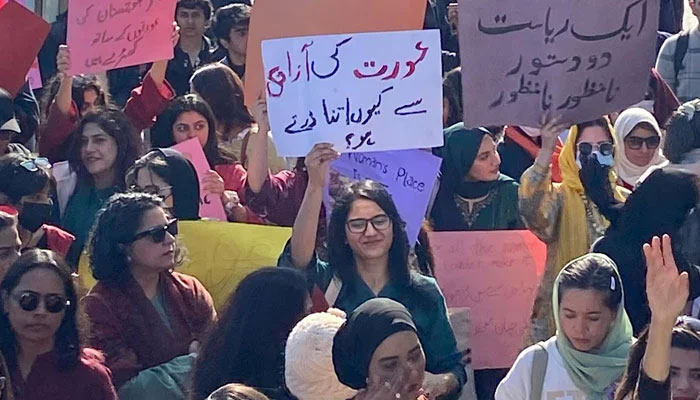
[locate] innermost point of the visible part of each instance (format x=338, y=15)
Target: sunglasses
x=635, y=143
x=605, y=148
x=151, y=189
x=35, y=164
x=359, y=225
x=53, y=303
x=157, y=233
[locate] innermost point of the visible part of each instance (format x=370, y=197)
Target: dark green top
x=422, y=298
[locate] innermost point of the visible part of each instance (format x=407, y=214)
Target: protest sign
x=210, y=206
x=220, y=254
x=111, y=34
x=581, y=60
x=272, y=19
x=408, y=175
x=360, y=92
x=495, y=274
x=18, y=54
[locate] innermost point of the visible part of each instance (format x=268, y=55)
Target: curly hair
x=80, y=85
x=69, y=336
x=452, y=92
x=340, y=254
x=116, y=124
x=116, y=223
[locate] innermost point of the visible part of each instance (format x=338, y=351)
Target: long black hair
x=81, y=84
x=246, y=344
x=69, y=336
x=162, y=132
x=340, y=254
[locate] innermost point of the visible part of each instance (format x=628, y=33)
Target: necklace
x=595, y=220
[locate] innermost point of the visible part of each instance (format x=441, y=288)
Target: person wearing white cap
x=9, y=127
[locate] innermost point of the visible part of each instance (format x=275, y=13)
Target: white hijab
x=625, y=123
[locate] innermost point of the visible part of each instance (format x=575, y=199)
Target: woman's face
x=149, y=182
x=375, y=241
x=594, y=135
x=399, y=355
x=98, y=150
x=486, y=163
x=641, y=156
x=191, y=124
x=10, y=245
x=584, y=318
x=147, y=254
x=38, y=325
x=685, y=374
x=90, y=101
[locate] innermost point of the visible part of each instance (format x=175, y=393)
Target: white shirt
x=557, y=382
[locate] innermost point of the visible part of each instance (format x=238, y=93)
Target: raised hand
x=318, y=163
x=667, y=290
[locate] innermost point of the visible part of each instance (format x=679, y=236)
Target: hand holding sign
x=318, y=163
x=63, y=60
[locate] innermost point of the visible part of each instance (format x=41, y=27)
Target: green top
x=422, y=298
x=80, y=214
x=159, y=304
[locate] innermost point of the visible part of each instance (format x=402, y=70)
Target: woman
x=190, y=117
x=640, y=136
x=27, y=186
x=367, y=258
x=10, y=244
x=654, y=209
x=169, y=175
x=452, y=98
x=234, y=391
x=76, y=96
x=219, y=86
x=104, y=147
x=378, y=353
x=587, y=356
x=473, y=194
x=309, y=370
x=40, y=336
x=247, y=343
x=147, y=318
x=567, y=216
x=670, y=348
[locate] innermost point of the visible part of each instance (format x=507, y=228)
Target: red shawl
x=128, y=329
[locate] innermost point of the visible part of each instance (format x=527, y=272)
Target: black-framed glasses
x=29, y=301
x=157, y=233
x=151, y=189
x=33, y=165
x=359, y=225
x=605, y=148
x=635, y=143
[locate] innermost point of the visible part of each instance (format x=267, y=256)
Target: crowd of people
x=352, y=310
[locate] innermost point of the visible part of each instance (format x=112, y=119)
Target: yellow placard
x=220, y=254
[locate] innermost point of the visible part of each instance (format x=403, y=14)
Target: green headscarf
x=595, y=371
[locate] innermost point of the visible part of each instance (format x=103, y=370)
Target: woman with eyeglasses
x=41, y=337
x=145, y=317
x=104, y=147
x=567, y=216
x=167, y=174
x=665, y=362
x=639, y=133
x=368, y=258
x=27, y=188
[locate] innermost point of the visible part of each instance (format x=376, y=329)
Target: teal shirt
x=80, y=214
x=422, y=298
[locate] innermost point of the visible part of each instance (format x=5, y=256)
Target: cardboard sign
x=272, y=19
x=577, y=59
x=109, y=34
x=220, y=254
x=496, y=275
x=408, y=175
x=360, y=92
x=210, y=206
x=21, y=35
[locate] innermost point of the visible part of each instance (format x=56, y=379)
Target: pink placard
x=109, y=34
x=495, y=274
x=34, y=75
x=210, y=206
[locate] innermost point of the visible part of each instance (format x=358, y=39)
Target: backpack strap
x=681, y=50
x=333, y=291
x=538, y=372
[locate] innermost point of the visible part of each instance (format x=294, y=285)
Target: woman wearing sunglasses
x=41, y=337
x=566, y=216
x=637, y=129
x=145, y=317
x=167, y=174
x=368, y=258
x=27, y=188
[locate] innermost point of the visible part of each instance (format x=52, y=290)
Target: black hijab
x=366, y=328
x=182, y=176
